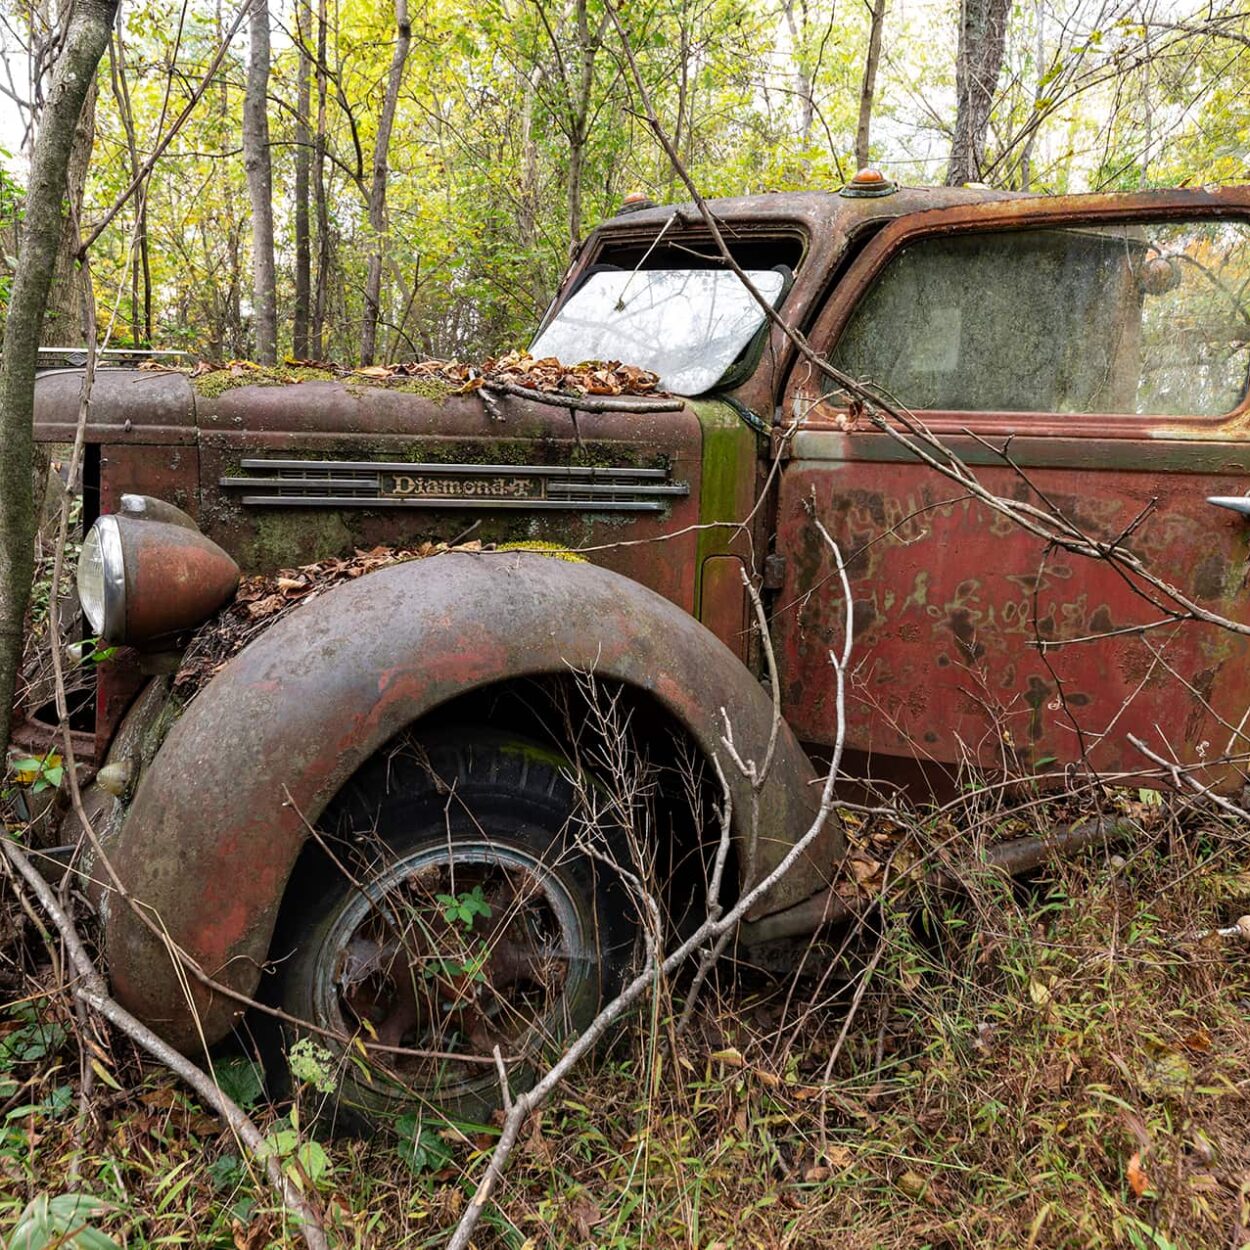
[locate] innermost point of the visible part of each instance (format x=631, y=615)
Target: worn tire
x=479, y=817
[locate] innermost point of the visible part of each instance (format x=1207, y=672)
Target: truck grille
x=397, y=484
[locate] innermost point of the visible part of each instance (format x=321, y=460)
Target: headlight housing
x=143, y=580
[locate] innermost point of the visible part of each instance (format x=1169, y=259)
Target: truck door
x=1085, y=357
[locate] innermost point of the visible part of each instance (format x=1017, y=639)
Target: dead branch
x=1183, y=780
x=709, y=932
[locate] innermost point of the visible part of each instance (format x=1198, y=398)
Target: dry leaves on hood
x=516, y=369
x=265, y=598
x=520, y=369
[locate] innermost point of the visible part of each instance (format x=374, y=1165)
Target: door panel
x=952, y=599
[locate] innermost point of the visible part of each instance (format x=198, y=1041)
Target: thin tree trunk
x=377, y=191
x=62, y=322
x=256, y=161
x=229, y=333
x=1039, y=71
x=303, y=164
x=86, y=37
x=868, y=87
x=141, y=263
x=978, y=63
x=803, y=85
x=588, y=47
x=527, y=219
x=319, y=194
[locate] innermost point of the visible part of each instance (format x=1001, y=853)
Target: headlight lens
x=102, y=579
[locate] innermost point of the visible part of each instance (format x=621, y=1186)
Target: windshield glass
x=687, y=325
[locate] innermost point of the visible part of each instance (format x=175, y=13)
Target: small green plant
x=301, y=1160
x=312, y=1064
x=38, y=772
x=464, y=908
x=240, y=1080
x=33, y=1039
x=472, y=966
x=64, y=1222
x=93, y=653
x=419, y=1146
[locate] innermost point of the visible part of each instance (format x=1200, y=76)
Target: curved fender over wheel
x=224, y=810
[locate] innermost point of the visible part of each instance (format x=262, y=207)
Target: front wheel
x=455, y=913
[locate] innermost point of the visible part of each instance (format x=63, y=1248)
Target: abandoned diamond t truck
x=371, y=818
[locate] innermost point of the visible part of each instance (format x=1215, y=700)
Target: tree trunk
x=804, y=87
x=319, y=194
x=303, y=164
x=978, y=62
x=527, y=217
x=62, y=318
x=377, y=192
x=868, y=87
x=140, y=264
x=1039, y=70
x=259, y=169
x=588, y=44
x=86, y=37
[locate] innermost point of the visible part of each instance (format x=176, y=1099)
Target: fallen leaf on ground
x=1138, y=1181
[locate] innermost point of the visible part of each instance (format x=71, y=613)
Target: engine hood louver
x=396, y=484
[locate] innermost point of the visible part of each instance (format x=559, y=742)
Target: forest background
x=431, y=170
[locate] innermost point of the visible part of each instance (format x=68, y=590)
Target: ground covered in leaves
x=1066, y=1065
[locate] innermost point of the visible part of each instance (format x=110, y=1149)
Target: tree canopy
x=432, y=169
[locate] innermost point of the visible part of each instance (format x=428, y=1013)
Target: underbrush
x=1065, y=1064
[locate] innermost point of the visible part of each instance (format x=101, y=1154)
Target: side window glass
x=1150, y=318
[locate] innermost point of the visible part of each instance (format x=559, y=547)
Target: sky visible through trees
x=428, y=186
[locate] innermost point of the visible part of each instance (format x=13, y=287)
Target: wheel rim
x=456, y=949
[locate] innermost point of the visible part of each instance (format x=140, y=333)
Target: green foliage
x=61, y=1223
x=305, y=1161
x=420, y=1146
x=38, y=772
x=241, y=1080
x=312, y=1064
x=464, y=908
x=485, y=200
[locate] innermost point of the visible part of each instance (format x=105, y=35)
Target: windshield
x=687, y=325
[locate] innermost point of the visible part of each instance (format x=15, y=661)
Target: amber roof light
x=868, y=183
x=635, y=201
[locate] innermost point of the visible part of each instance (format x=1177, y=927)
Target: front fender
x=222, y=813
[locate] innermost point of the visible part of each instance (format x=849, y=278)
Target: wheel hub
x=458, y=950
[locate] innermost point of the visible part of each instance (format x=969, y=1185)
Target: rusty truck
x=366, y=821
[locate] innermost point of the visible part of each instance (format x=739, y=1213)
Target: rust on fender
x=222, y=814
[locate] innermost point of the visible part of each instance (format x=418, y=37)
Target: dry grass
x=1062, y=1066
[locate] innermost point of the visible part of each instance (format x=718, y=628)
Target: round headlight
x=141, y=582
x=102, y=579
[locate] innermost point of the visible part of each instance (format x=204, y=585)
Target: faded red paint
x=951, y=597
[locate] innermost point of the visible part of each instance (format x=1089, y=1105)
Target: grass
x=1062, y=1066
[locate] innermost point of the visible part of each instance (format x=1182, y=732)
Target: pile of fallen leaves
x=520, y=369
x=264, y=599
x=514, y=371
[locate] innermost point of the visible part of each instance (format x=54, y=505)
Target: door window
x=1148, y=318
